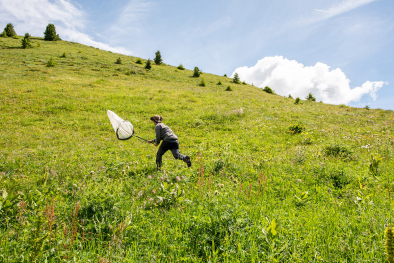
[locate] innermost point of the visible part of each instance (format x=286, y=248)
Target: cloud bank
x=291, y=77
x=33, y=16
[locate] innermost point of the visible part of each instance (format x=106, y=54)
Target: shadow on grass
x=143, y=171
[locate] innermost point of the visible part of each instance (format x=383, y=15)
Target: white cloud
x=33, y=16
x=337, y=9
x=291, y=77
x=130, y=18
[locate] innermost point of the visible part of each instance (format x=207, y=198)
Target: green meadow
x=271, y=181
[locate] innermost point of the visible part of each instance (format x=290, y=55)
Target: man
x=170, y=142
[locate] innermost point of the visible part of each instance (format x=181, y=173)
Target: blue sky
x=340, y=50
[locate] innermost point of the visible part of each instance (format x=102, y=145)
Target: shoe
x=187, y=160
x=158, y=167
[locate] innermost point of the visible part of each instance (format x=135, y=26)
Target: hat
x=156, y=118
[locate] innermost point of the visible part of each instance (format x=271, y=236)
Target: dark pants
x=173, y=147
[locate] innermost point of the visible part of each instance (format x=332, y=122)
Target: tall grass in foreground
x=70, y=191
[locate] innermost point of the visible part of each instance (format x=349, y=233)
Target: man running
x=170, y=142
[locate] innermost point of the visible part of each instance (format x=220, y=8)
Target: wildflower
x=91, y=172
x=22, y=176
x=389, y=244
x=299, y=180
x=178, y=179
x=216, y=192
x=153, y=192
x=235, y=181
x=149, y=177
x=123, y=172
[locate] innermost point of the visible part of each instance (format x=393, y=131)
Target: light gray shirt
x=164, y=133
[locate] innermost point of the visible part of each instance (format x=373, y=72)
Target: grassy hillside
x=72, y=192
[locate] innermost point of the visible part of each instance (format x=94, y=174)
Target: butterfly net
x=124, y=129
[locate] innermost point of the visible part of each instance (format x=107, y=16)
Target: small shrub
x=50, y=33
x=299, y=155
x=202, y=83
x=243, y=82
x=180, y=67
x=374, y=164
x=366, y=107
x=236, y=78
x=339, y=179
x=307, y=139
x=64, y=55
x=51, y=63
x=131, y=72
x=338, y=151
x=148, y=64
x=296, y=129
x=38, y=44
x=219, y=83
x=139, y=61
x=196, y=72
x=268, y=90
x=310, y=97
x=4, y=34
x=118, y=61
x=158, y=59
x=225, y=75
x=79, y=51
x=297, y=101
x=290, y=97
x=26, y=41
x=9, y=30
x=15, y=37
x=229, y=88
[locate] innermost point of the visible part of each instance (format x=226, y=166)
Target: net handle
x=129, y=137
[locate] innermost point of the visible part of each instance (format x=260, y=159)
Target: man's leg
x=162, y=150
x=177, y=154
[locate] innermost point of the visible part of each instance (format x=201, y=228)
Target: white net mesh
x=123, y=129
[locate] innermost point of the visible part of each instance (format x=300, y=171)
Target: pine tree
x=26, y=41
x=196, y=72
x=310, y=97
x=118, y=61
x=236, y=78
x=50, y=33
x=148, y=64
x=9, y=29
x=158, y=59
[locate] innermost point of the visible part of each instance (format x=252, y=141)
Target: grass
x=254, y=193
